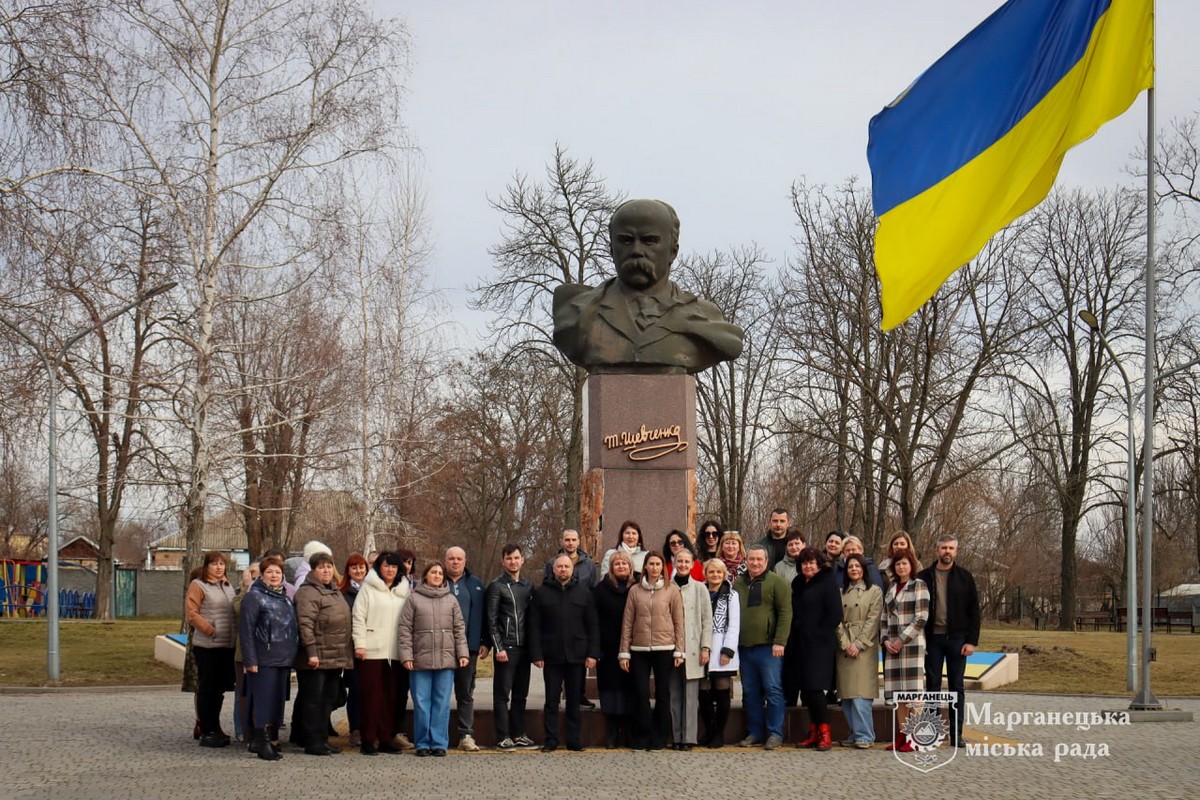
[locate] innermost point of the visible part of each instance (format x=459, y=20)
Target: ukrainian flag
x=978, y=139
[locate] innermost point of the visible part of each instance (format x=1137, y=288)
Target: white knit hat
x=314, y=547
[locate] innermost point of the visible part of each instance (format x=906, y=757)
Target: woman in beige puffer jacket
x=652, y=641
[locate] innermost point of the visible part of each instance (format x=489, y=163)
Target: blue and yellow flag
x=977, y=140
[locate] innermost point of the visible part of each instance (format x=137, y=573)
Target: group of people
x=795, y=621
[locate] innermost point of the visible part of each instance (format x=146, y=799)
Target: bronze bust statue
x=640, y=321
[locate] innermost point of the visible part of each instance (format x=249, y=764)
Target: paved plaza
x=137, y=744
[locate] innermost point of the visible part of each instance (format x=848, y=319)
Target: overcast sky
x=712, y=106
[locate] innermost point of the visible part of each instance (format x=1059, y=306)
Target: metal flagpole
x=1145, y=699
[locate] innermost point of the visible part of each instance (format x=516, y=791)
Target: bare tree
x=282, y=380
x=555, y=233
x=232, y=115
x=502, y=431
x=1089, y=255
x=908, y=413
x=736, y=400
x=383, y=255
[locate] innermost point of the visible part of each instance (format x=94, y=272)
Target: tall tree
x=233, y=115
x=1089, y=254
x=282, y=376
x=555, y=233
x=388, y=330
x=736, y=400
x=907, y=413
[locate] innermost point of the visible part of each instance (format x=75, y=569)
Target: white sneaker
x=467, y=742
x=506, y=744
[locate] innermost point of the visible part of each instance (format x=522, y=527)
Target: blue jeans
x=431, y=689
x=858, y=719
x=940, y=647
x=762, y=682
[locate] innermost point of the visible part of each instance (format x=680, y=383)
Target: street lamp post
x=1145, y=699
x=1131, y=673
x=51, y=362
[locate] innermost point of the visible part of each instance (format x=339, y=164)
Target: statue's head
x=643, y=236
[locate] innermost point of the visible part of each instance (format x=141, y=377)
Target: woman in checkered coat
x=902, y=631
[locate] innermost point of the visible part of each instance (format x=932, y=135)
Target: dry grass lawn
x=1087, y=662
x=90, y=653
x=122, y=654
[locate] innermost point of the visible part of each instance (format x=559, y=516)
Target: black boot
x=612, y=731
x=720, y=717
x=706, y=716
x=262, y=746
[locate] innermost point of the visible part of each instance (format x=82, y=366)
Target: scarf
x=720, y=605
x=658, y=584
x=732, y=565
x=629, y=551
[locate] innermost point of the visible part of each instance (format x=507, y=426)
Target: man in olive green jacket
x=766, y=604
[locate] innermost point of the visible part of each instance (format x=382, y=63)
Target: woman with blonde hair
x=716, y=688
x=697, y=632
x=733, y=553
x=614, y=684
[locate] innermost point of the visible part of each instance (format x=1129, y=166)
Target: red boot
x=899, y=742
x=812, y=739
x=824, y=737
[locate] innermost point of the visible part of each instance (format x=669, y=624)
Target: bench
x=1184, y=618
x=1095, y=619
x=1160, y=617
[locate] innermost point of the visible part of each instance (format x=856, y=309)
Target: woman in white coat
x=716, y=688
x=697, y=636
x=376, y=622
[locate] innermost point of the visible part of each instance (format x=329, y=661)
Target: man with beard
x=641, y=318
x=952, y=633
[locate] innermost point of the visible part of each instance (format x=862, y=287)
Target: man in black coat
x=952, y=633
x=564, y=642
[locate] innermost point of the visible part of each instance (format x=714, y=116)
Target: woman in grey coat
x=431, y=644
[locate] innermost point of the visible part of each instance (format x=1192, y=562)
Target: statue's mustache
x=642, y=265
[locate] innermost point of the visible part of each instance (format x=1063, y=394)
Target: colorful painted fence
x=23, y=593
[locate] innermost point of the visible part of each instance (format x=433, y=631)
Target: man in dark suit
x=641, y=318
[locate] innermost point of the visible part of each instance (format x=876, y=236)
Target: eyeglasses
x=711, y=534
x=676, y=543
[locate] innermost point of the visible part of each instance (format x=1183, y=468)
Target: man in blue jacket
x=472, y=599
